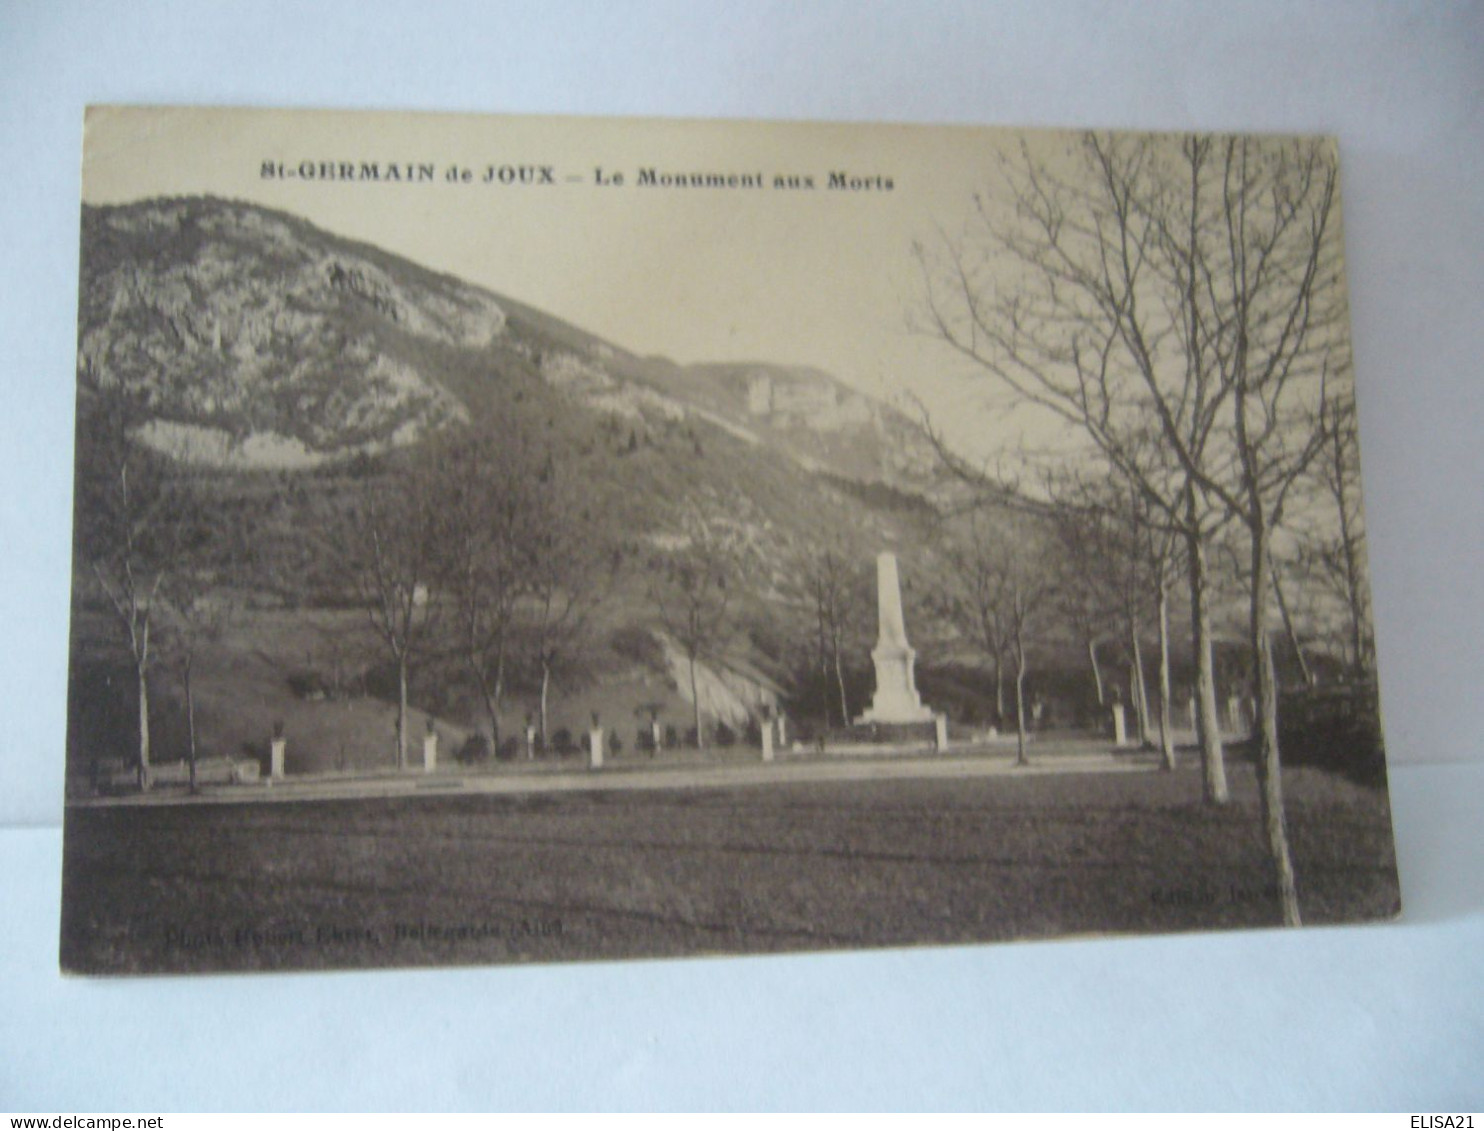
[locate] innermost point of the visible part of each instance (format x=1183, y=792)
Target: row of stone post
x=774, y=736
x=279, y=744
x=1236, y=718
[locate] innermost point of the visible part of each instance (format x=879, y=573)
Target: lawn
x=478, y=879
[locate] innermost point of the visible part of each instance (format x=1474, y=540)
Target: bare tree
x=1093, y=571
x=1290, y=624
x=837, y=591
x=1277, y=282
x=1070, y=291
x=692, y=590
x=1027, y=593
x=1000, y=592
x=1216, y=295
x=1158, y=548
x=975, y=600
x=135, y=523
x=1116, y=547
x=1335, y=554
x=485, y=517
x=565, y=569
x=199, y=612
x=393, y=541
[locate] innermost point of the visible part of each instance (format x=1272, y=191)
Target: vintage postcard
x=541, y=539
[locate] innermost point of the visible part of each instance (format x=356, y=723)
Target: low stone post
x=430, y=752
x=767, y=733
x=940, y=732
x=1120, y=727
x=277, y=750
x=595, y=744
x=782, y=732
x=530, y=742
x=657, y=734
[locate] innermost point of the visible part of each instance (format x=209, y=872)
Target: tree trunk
x=491, y=697
x=1097, y=672
x=824, y=675
x=545, y=689
x=840, y=680
x=190, y=705
x=1140, y=690
x=999, y=692
x=695, y=697
x=1208, y=731
x=402, y=712
x=142, y=669
x=1166, y=727
x=1269, y=769
x=1293, y=639
x=1349, y=547
x=1354, y=598
x=1020, y=757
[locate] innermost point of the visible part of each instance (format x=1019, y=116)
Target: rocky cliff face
x=235, y=324
x=252, y=338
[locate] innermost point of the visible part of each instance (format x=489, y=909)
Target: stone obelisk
x=896, y=699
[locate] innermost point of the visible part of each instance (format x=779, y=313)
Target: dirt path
x=1059, y=758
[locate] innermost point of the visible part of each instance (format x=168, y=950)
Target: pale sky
x=822, y=277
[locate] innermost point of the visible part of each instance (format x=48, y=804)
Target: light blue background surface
x=1389, y=1017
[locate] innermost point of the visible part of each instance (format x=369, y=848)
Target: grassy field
x=477, y=879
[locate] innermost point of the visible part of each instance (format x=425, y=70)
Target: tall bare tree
x=1275, y=307
x=198, y=613
x=1158, y=548
x=566, y=569
x=394, y=546
x=1067, y=289
x=1334, y=551
x=135, y=525
x=838, y=594
x=485, y=517
x=1108, y=575
x=974, y=601
x=1196, y=283
x=1092, y=570
x=999, y=596
x=692, y=589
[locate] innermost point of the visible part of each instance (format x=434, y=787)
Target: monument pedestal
x=896, y=699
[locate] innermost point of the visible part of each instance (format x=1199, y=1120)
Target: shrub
x=639, y=646
x=308, y=684
x=561, y=741
x=725, y=735
x=476, y=748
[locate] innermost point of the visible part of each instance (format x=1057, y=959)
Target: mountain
x=297, y=367
x=257, y=340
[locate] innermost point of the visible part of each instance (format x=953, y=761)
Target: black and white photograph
x=518, y=539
